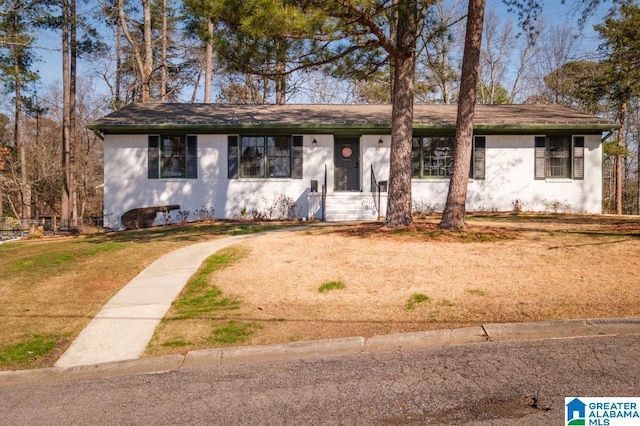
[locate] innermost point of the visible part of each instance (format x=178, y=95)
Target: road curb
x=426, y=339
x=487, y=334
x=294, y=350
x=94, y=371
x=508, y=332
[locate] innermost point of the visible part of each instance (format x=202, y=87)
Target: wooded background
x=116, y=52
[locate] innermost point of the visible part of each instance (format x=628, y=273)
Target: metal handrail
x=324, y=195
x=375, y=191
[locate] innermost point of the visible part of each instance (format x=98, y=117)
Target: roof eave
x=544, y=128
x=231, y=128
x=352, y=128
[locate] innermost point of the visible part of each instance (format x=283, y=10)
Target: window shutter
x=153, y=157
x=540, y=148
x=232, y=157
x=296, y=158
x=192, y=157
x=479, y=147
x=578, y=157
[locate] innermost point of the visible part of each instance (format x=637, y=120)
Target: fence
x=11, y=228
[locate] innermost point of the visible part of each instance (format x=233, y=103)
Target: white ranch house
x=238, y=159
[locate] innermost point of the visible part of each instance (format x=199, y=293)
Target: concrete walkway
x=125, y=325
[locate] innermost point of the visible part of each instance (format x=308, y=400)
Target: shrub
x=183, y=216
x=331, y=285
x=280, y=207
x=205, y=214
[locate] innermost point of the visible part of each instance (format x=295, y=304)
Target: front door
x=347, y=160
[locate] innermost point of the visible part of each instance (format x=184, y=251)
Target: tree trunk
x=118, y=84
x=281, y=79
x=619, y=159
x=399, y=212
x=163, y=76
x=196, y=85
x=73, y=144
x=144, y=60
x=25, y=188
x=24, y=185
x=148, y=53
x=65, y=210
x=208, y=61
x=280, y=89
x=454, y=211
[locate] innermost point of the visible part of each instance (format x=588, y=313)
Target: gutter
x=96, y=131
x=343, y=128
x=609, y=134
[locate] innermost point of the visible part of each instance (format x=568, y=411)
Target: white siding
x=127, y=186
x=509, y=177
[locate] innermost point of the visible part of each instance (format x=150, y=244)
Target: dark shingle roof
x=219, y=116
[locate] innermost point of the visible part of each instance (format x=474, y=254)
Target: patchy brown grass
x=503, y=268
x=51, y=288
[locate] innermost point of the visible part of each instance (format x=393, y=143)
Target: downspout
x=98, y=133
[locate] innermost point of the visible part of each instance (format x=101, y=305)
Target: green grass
x=190, y=233
x=58, y=256
x=203, y=300
x=200, y=296
x=45, y=260
x=26, y=353
x=415, y=300
x=175, y=344
x=476, y=292
x=331, y=285
x=232, y=332
x=105, y=247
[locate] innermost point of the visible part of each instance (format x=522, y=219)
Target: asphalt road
x=517, y=383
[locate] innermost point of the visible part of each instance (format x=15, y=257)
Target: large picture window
x=265, y=156
x=172, y=156
x=432, y=157
x=559, y=157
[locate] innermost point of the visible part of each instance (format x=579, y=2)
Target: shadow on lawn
x=498, y=227
x=190, y=233
x=424, y=231
x=482, y=228
x=561, y=223
x=559, y=218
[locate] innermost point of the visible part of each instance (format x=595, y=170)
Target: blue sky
x=555, y=11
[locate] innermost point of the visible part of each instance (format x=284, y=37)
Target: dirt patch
x=496, y=271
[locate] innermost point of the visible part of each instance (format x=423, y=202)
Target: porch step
x=346, y=206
